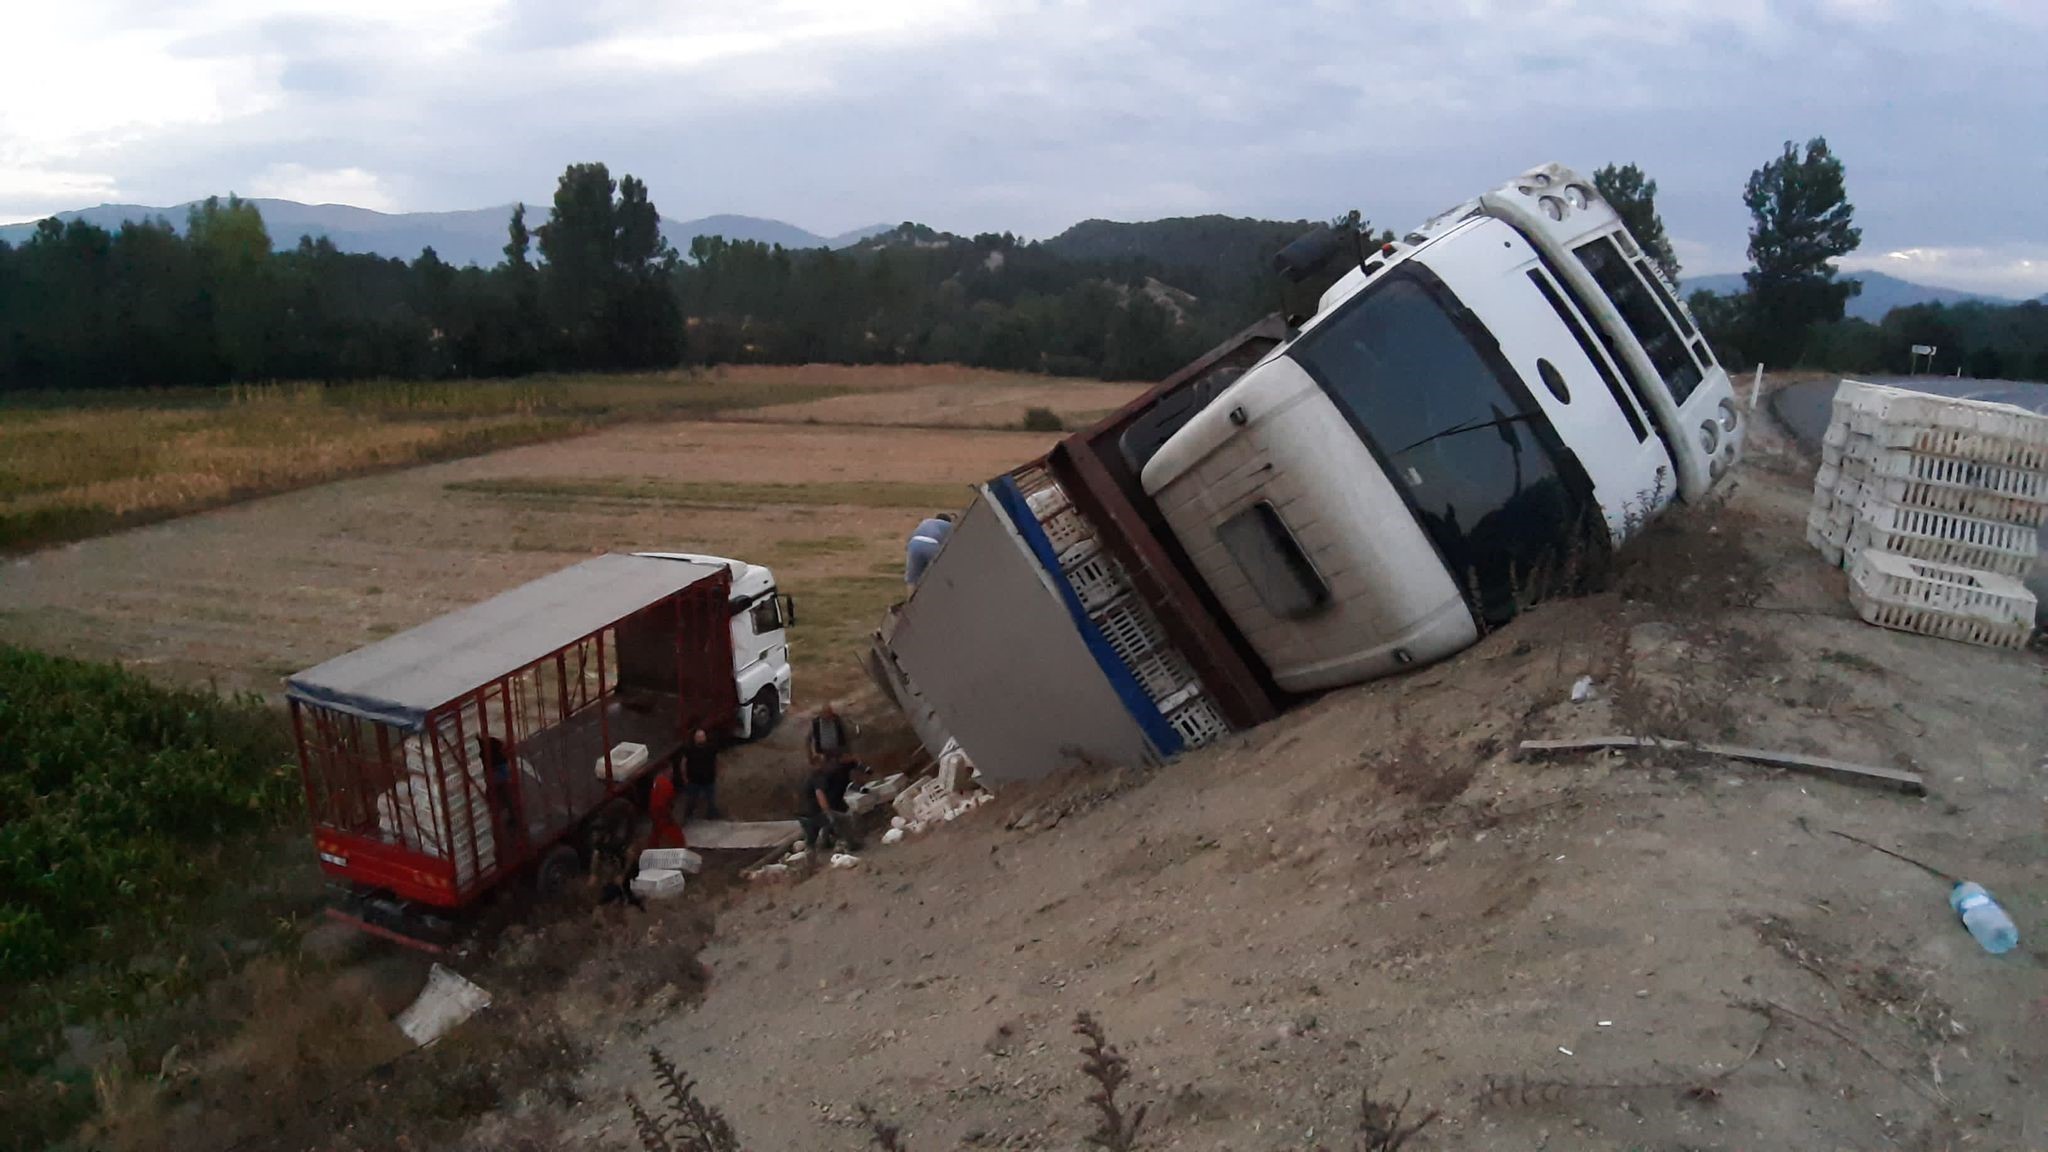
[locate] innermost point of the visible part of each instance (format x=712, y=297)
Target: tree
x=1802, y=221
x=234, y=249
x=1634, y=197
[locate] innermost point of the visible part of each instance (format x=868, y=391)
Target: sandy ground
x=997, y=404
x=1603, y=952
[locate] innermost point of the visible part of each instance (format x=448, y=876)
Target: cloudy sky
x=1027, y=115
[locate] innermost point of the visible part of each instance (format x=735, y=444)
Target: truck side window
x=1279, y=571
x=1655, y=331
x=767, y=614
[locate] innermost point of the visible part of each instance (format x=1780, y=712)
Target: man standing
x=831, y=738
x=700, y=777
x=925, y=543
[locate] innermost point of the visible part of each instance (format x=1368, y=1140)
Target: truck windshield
x=1458, y=431
x=1653, y=329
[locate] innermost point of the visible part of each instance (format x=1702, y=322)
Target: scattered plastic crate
x=1941, y=600
x=1944, y=537
x=1198, y=723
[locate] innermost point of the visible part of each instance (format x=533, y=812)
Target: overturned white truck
x=1471, y=420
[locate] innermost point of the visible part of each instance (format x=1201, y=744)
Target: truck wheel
x=764, y=713
x=557, y=871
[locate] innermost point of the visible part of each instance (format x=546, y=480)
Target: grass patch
x=122, y=806
x=84, y=463
x=790, y=551
x=717, y=493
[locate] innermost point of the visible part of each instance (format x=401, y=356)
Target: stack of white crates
x=1111, y=600
x=1933, y=504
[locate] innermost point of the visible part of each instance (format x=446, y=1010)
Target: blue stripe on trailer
x=1136, y=701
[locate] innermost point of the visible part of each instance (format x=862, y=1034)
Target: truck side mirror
x=788, y=610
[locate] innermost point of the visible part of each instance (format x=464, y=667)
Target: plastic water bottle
x=1983, y=917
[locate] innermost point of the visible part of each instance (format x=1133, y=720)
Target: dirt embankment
x=1609, y=951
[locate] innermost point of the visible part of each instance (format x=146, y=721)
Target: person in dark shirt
x=831, y=737
x=823, y=808
x=700, y=777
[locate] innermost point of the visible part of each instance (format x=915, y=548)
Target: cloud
x=2019, y=271
x=323, y=186
x=1025, y=115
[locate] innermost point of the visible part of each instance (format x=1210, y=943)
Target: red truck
x=503, y=740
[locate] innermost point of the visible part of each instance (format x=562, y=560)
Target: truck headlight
x=1729, y=416
x=1552, y=207
x=1710, y=436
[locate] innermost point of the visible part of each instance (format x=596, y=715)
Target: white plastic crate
x=1098, y=580
x=658, y=883
x=1963, y=444
x=2020, y=485
x=677, y=859
x=1899, y=406
x=1960, y=501
x=1198, y=723
x=1131, y=630
x=626, y=759
x=1162, y=673
x=1824, y=480
x=1941, y=600
x=1065, y=529
x=1944, y=537
x=1830, y=454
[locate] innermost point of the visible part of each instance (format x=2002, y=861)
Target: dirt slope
x=1602, y=952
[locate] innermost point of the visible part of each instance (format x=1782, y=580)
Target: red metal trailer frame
x=438, y=804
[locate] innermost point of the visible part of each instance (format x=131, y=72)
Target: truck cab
x=761, y=617
x=1473, y=416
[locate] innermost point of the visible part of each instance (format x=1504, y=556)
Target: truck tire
x=557, y=870
x=764, y=713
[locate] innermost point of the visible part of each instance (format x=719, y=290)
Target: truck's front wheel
x=764, y=713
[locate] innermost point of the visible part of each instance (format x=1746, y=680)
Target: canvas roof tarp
x=402, y=678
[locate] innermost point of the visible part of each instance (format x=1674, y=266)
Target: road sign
x=1923, y=349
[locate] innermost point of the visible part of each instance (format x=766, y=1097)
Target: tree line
x=594, y=286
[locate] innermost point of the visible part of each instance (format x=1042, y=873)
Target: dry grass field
x=76, y=466
x=243, y=595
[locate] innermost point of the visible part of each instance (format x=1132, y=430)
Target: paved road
x=1804, y=408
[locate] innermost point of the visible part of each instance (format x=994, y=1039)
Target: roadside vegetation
x=122, y=805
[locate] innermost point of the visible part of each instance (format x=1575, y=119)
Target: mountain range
x=477, y=236
x=1881, y=293
x=471, y=236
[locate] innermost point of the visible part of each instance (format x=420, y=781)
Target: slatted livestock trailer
x=500, y=740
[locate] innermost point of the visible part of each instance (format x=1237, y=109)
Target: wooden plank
x=1910, y=782
x=720, y=834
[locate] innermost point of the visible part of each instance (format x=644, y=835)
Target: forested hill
x=1212, y=245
